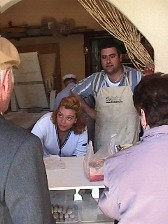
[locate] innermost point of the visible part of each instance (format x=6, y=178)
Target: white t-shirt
x=111, y=84
x=74, y=145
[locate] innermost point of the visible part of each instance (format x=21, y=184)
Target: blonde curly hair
x=72, y=102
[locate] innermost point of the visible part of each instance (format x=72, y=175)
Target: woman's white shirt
x=74, y=145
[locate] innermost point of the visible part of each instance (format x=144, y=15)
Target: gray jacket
x=24, y=195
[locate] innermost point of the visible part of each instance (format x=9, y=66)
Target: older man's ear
x=6, y=88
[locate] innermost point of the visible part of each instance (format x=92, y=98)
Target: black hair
x=151, y=95
x=109, y=43
x=70, y=79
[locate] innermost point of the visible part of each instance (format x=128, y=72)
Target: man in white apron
x=112, y=89
x=115, y=114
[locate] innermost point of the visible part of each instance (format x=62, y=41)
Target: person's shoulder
x=119, y=156
x=65, y=92
x=60, y=93
x=94, y=76
x=8, y=127
x=85, y=132
x=45, y=119
x=46, y=116
x=99, y=74
x=70, y=85
x=131, y=70
x=14, y=136
x=98, y=77
x=16, y=142
x=123, y=156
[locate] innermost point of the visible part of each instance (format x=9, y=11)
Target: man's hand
x=149, y=69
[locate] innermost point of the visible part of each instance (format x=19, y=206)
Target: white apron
x=116, y=115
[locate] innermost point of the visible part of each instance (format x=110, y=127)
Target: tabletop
x=69, y=177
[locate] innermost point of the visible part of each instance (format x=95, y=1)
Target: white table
x=72, y=177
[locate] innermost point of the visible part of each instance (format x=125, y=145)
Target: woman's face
x=66, y=118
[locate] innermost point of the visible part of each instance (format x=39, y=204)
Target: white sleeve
x=36, y=130
x=81, y=146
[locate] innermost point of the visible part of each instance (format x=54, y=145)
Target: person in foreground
x=136, y=179
x=63, y=132
x=24, y=194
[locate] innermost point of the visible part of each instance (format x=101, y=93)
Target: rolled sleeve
x=84, y=87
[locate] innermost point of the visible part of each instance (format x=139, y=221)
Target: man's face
x=111, y=60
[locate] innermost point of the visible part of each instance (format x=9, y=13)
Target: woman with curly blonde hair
x=63, y=132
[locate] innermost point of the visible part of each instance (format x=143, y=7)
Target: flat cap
x=9, y=56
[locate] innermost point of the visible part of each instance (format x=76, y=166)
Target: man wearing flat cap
x=69, y=82
x=24, y=195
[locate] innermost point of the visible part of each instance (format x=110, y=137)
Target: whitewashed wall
x=151, y=18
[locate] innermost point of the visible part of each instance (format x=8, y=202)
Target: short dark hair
x=70, y=80
x=151, y=95
x=109, y=43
